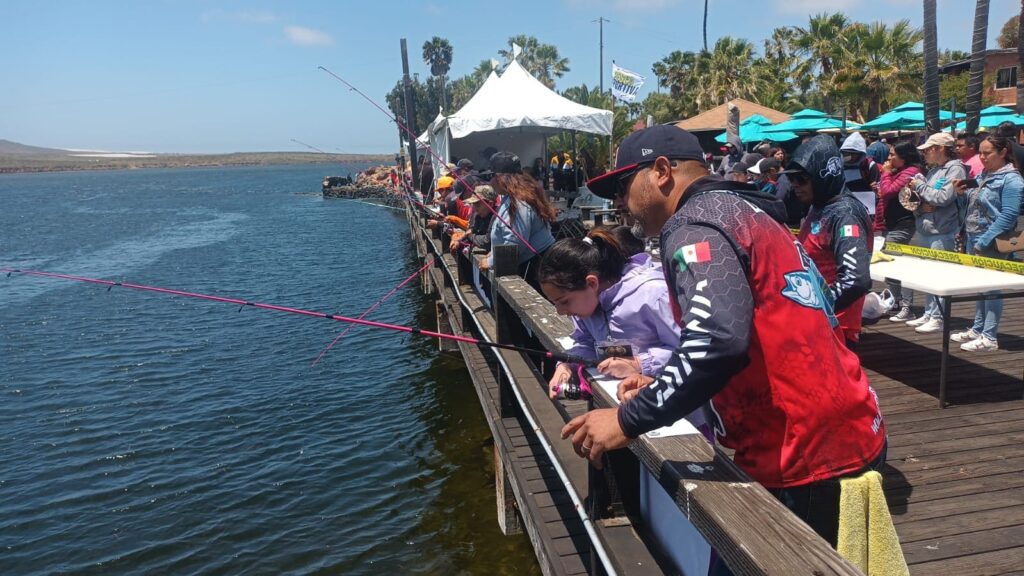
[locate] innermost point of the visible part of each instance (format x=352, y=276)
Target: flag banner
x=625, y=84
x=850, y=231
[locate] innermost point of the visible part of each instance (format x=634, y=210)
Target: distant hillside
x=15, y=157
x=14, y=148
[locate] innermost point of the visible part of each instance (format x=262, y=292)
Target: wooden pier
x=955, y=480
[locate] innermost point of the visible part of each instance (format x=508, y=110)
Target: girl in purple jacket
x=617, y=299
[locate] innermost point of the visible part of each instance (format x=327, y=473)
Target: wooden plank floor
x=955, y=476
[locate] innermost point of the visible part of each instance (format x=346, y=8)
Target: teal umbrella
x=752, y=129
x=994, y=116
x=906, y=116
x=806, y=120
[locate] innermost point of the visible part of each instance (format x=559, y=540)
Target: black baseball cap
x=642, y=148
x=503, y=163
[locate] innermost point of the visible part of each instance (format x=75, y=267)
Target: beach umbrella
x=994, y=116
x=906, y=116
x=752, y=129
x=806, y=120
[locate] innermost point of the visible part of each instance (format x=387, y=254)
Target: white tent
x=519, y=100
x=513, y=112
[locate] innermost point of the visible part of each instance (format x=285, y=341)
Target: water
x=142, y=433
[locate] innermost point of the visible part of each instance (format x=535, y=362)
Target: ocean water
x=143, y=433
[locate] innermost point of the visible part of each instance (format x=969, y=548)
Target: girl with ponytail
x=617, y=298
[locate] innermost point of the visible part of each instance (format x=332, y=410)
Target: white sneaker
x=903, y=315
x=965, y=336
x=981, y=344
x=922, y=320
x=932, y=325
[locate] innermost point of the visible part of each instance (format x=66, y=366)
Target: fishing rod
x=374, y=307
x=110, y=284
x=311, y=147
x=430, y=151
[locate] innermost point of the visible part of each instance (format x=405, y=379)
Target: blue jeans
x=986, y=312
x=901, y=297
x=933, y=304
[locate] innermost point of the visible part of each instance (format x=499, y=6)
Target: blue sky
x=224, y=76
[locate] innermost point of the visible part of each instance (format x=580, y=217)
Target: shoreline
x=17, y=164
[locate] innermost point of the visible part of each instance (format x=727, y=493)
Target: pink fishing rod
x=372, y=308
x=335, y=317
x=430, y=151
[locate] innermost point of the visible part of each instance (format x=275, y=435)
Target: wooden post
x=508, y=513
x=444, y=326
x=506, y=263
x=425, y=282
x=410, y=105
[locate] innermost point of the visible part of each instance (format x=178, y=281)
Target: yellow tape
x=1010, y=266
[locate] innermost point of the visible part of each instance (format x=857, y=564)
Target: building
x=1000, y=74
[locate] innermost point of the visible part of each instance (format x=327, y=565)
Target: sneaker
x=903, y=315
x=965, y=336
x=922, y=320
x=981, y=344
x=932, y=325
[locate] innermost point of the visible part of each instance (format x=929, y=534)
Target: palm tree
x=879, y=61
x=931, y=68
x=464, y=88
x=705, y=25
x=674, y=70
x=820, y=42
x=437, y=52
x=725, y=73
x=977, y=80
x=541, y=60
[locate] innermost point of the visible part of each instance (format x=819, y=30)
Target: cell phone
x=968, y=183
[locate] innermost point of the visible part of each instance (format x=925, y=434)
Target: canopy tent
x=994, y=116
x=806, y=120
x=518, y=100
x=906, y=116
x=753, y=130
x=513, y=112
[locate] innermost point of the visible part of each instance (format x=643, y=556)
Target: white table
x=954, y=283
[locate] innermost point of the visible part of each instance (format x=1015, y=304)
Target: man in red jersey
x=760, y=349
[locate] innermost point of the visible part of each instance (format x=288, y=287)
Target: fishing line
x=311, y=313
x=374, y=307
x=430, y=151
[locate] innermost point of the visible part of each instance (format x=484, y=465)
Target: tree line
x=832, y=63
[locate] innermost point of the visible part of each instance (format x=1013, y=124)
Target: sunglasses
x=624, y=179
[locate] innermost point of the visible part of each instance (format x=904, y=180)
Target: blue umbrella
x=806, y=120
x=752, y=129
x=994, y=116
x=906, y=116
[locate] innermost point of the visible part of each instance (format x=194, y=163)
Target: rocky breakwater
x=378, y=184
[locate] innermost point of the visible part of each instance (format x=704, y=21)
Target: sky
x=209, y=76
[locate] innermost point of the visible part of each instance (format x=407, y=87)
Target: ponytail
x=569, y=261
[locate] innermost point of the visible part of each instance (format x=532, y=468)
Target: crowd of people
x=745, y=329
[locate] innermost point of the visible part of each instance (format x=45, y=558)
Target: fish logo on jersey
x=808, y=288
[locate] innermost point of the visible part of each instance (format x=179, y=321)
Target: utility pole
x=410, y=113
x=600, y=23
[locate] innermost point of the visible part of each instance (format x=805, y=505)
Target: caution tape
x=997, y=264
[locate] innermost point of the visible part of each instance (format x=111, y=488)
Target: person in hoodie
x=612, y=297
x=937, y=216
x=859, y=169
x=836, y=233
x=761, y=344
x=733, y=153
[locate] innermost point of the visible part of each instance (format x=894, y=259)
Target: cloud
x=239, y=17
x=307, y=36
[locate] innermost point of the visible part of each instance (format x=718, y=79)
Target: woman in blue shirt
x=524, y=215
x=992, y=209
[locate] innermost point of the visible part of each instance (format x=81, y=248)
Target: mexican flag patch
x=850, y=231
x=692, y=254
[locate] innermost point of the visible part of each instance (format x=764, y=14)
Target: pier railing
x=747, y=527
